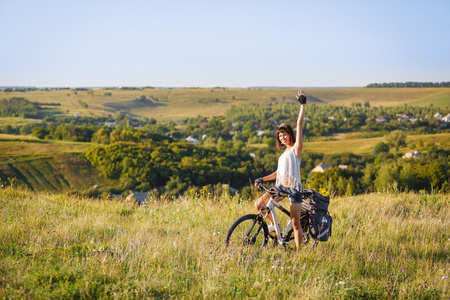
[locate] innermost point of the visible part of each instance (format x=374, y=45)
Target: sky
x=232, y=43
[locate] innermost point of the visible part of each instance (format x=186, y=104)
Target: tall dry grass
x=56, y=246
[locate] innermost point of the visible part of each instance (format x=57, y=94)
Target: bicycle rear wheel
x=304, y=222
x=247, y=236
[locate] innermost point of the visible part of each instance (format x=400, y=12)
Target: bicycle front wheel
x=247, y=236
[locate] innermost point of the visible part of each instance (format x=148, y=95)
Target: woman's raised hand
x=301, y=97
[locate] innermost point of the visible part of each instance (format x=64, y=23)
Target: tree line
x=176, y=168
x=411, y=84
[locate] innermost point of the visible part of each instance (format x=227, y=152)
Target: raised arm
x=298, y=146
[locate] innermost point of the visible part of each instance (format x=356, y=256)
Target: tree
x=39, y=132
x=396, y=139
x=8, y=129
x=381, y=147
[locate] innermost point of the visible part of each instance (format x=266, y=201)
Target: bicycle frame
x=270, y=209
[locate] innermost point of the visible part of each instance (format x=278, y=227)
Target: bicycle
x=250, y=232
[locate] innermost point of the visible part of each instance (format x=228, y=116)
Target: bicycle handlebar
x=271, y=191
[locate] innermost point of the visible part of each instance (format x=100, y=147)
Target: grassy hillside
x=177, y=104
x=48, y=165
x=384, y=246
x=348, y=143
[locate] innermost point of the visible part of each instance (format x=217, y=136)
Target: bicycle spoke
x=245, y=237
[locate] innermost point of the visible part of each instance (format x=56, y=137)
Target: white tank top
x=288, y=172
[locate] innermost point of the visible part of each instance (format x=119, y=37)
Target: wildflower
x=341, y=282
x=444, y=277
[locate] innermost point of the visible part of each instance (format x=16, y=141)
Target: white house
x=446, y=118
x=111, y=124
x=191, y=140
x=412, y=154
x=438, y=116
x=380, y=119
x=321, y=167
x=408, y=117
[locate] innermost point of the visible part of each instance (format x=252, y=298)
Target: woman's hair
x=288, y=129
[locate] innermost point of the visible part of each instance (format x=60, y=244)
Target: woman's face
x=284, y=138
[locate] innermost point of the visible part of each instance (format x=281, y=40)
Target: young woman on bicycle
x=287, y=175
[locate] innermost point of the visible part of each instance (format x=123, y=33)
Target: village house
x=191, y=140
x=111, y=124
x=380, y=119
x=321, y=167
x=438, y=116
x=446, y=118
x=412, y=154
x=408, y=117
x=259, y=132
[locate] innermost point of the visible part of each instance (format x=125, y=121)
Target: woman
x=287, y=174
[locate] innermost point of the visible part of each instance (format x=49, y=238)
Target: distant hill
x=177, y=104
x=48, y=165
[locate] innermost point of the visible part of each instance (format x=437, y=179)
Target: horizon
x=176, y=87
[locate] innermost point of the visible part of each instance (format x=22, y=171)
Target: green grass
x=384, y=246
x=438, y=100
x=17, y=121
x=177, y=104
x=348, y=143
x=49, y=165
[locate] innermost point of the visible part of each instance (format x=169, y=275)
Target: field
x=48, y=165
x=178, y=104
x=349, y=143
x=384, y=246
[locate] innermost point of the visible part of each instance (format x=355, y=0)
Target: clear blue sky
x=233, y=43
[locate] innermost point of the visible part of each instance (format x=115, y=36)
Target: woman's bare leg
x=296, y=209
x=262, y=201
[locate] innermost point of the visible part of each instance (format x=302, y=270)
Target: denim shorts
x=294, y=196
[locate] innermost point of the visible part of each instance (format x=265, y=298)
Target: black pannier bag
x=320, y=225
x=320, y=220
x=316, y=200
